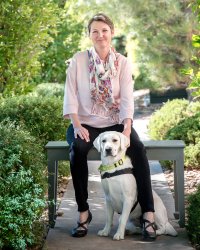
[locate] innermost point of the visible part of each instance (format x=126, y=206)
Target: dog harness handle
x=118, y=172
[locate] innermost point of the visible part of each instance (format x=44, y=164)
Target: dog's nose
x=108, y=151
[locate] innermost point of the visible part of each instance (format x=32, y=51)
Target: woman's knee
x=137, y=145
x=79, y=147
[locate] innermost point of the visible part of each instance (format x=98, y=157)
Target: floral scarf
x=100, y=79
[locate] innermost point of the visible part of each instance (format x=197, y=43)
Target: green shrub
x=171, y=113
x=64, y=168
x=42, y=116
x=18, y=148
x=192, y=156
x=193, y=220
x=49, y=89
x=22, y=186
x=20, y=206
x=188, y=130
x=179, y=120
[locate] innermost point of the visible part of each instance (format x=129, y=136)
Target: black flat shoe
x=148, y=236
x=77, y=232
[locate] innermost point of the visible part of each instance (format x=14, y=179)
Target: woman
x=98, y=98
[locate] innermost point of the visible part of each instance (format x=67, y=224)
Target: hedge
x=42, y=116
x=22, y=186
x=179, y=120
x=193, y=220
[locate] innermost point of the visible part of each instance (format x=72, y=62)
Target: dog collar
x=103, y=168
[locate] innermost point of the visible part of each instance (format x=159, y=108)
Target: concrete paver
x=59, y=238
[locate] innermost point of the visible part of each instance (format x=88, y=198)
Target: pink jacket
x=77, y=98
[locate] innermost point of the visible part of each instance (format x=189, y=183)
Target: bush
x=179, y=120
x=18, y=148
x=167, y=117
x=188, y=130
x=192, y=156
x=49, y=90
x=42, y=116
x=22, y=186
x=193, y=221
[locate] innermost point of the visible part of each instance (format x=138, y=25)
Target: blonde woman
x=99, y=97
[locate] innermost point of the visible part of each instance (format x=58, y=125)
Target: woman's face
x=101, y=35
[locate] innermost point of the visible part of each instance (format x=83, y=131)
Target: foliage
x=49, y=90
x=188, y=130
x=192, y=155
x=168, y=116
x=179, y=120
x=25, y=28
x=19, y=206
x=19, y=148
x=194, y=72
x=42, y=116
x=143, y=81
x=64, y=44
x=160, y=31
x=193, y=221
x=159, y=41
x=22, y=185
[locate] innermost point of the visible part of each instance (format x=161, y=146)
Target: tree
x=25, y=28
x=194, y=72
x=161, y=30
x=64, y=44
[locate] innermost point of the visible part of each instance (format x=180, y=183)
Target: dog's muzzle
x=108, y=151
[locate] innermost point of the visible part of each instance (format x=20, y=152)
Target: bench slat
x=147, y=144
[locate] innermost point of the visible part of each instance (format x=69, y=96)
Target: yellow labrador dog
x=120, y=188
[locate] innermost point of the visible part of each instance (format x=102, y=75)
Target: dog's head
x=111, y=143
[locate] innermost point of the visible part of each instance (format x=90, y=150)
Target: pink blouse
x=77, y=98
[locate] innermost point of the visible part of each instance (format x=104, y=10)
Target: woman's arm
x=126, y=93
x=127, y=127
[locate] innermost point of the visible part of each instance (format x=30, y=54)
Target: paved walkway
x=59, y=238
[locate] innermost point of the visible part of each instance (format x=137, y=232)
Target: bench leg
x=179, y=189
x=52, y=191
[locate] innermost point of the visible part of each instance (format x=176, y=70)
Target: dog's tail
x=167, y=229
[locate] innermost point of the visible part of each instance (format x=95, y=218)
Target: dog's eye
x=114, y=140
x=104, y=141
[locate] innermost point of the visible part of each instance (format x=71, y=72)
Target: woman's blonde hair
x=101, y=17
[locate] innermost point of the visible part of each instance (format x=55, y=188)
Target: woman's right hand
x=82, y=133
x=79, y=130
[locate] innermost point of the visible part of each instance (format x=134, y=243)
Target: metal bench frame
x=156, y=150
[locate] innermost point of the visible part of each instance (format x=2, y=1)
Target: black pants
x=79, y=169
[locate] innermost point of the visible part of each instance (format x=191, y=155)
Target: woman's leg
x=78, y=164
x=141, y=171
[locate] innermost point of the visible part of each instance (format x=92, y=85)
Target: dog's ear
x=124, y=141
x=97, y=143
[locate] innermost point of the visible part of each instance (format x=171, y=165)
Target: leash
x=134, y=206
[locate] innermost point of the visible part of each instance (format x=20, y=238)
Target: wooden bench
x=156, y=150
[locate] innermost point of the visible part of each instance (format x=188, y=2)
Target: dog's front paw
x=103, y=232
x=118, y=236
